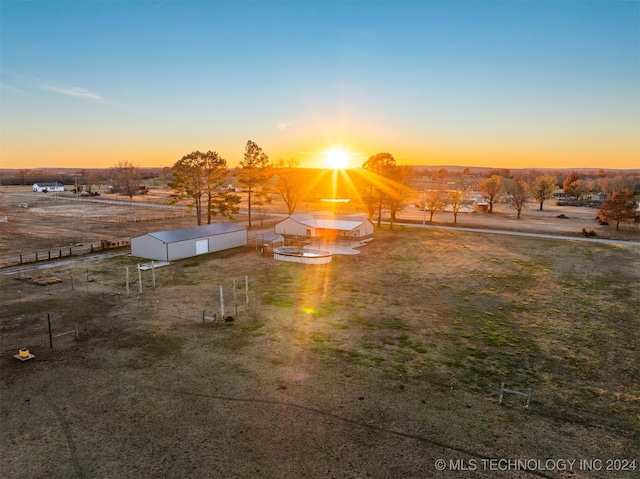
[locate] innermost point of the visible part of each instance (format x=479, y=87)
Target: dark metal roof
x=183, y=234
x=268, y=237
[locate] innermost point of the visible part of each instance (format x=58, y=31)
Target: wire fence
x=35, y=200
x=145, y=217
x=80, y=294
x=136, y=285
x=62, y=252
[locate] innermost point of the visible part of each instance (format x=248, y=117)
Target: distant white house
x=48, y=187
x=326, y=226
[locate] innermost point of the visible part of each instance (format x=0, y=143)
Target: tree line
x=124, y=178
x=383, y=187
x=615, y=193
x=202, y=181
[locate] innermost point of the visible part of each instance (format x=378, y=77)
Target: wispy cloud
x=287, y=124
x=59, y=88
x=73, y=91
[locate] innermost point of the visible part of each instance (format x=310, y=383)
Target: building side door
x=202, y=246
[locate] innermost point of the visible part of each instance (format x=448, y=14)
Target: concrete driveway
x=338, y=248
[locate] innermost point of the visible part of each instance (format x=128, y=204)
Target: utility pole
x=75, y=178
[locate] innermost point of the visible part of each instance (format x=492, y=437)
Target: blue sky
x=500, y=84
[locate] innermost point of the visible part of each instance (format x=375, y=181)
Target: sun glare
x=337, y=159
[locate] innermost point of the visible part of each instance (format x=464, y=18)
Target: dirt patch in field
x=40, y=280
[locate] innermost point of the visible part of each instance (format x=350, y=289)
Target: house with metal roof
x=326, y=226
x=47, y=187
x=182, y=243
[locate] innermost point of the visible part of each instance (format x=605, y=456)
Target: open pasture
x=43, y=221
x=375, y=365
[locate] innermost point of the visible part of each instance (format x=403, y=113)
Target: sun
x=337, y=158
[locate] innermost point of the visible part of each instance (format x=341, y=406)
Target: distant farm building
x=325, y=226
x=171, y=245
x=48, y=187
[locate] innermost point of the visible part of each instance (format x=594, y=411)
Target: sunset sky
x=529, y=84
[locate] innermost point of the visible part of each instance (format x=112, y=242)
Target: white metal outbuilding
x=181, y=243
x=326, y=226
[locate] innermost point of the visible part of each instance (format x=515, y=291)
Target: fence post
x=235, y=297
x=50, y=336
x=127, y=276
x=221, y=303
x=153, y=274
x=139, y=279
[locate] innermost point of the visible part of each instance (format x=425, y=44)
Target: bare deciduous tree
x=518, y=191
x=434, y=202
x=126, y=178
x=491, y=188
x=290, y=186
x=381, y=167
x=543, y=188
x=402, y=178
x=456, y=200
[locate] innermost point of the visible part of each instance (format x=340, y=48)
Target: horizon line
x=455, y=167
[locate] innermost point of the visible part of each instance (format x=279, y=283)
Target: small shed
x=46, y=187
x=269, y=242
x=181, y=243
x=326, y=226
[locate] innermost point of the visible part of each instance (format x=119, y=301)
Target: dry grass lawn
x=375, y=365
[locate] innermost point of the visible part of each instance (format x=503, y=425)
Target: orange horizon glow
x=34, y=155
